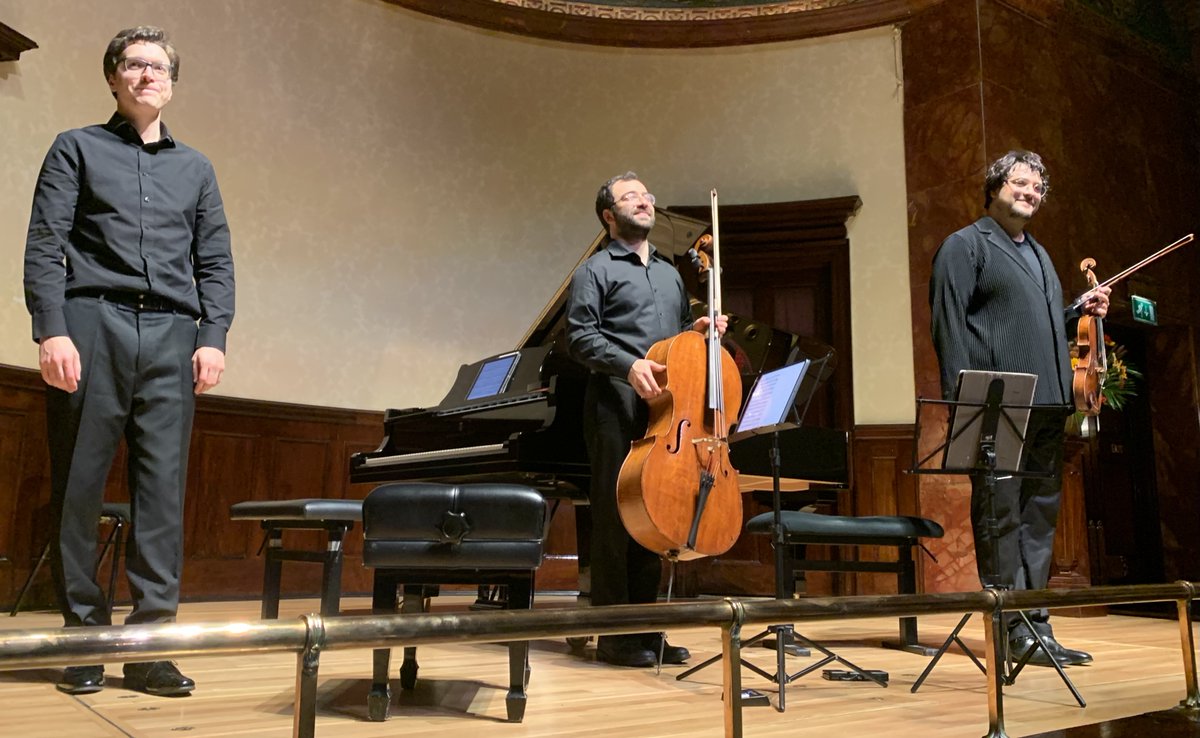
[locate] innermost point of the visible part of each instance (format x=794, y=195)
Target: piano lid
x=673, y=235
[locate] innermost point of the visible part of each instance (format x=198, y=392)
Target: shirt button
x=146, y=198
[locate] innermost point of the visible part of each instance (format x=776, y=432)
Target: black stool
x=335, y=517
x=115, y=514
x=421, y=535
x=901, y=532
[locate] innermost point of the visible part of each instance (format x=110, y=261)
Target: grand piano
x=517, y=417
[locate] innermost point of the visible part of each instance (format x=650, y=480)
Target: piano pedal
x=490, y=597
x=578, y=644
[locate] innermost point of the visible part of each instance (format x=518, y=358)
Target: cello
x=677, y=491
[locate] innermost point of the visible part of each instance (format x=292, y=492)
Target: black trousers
x=1026, y=512
x=622, y=571
x=137, y=385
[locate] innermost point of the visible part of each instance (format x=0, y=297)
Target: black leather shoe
x=81, y=679
x=159, y=678
x=625, y=653
x=1017, y=648
x=670, y=654
x=1067, y=656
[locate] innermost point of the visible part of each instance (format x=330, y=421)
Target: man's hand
x=701, y=324
x=1097, y=302
x=208, y=364
x=641, y=377
x=59, y=360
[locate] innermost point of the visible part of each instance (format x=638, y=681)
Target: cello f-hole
x=678, y=442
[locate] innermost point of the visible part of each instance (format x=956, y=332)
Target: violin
x=1092, y=367
x=1091, y=370
x=677, y=492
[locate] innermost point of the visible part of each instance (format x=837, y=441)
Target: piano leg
x=379, y=699
x=520, y=597
x=416, y=600
x=583, y=548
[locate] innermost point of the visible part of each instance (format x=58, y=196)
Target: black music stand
x=985, y=439
x=771, y=401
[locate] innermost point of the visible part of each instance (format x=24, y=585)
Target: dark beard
x=1018, y=214
x=629, y=230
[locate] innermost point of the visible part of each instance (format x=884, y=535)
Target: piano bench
x=422, y=535
x=901, y=532
x=335, y=517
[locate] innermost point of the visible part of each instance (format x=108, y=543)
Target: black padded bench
x=901, y=532
x=421, y=535
x=335, y=517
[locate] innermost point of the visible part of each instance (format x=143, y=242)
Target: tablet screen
x=772, y=397
x=493, y=376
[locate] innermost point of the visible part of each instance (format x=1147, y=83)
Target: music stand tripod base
x=790, y=647
x=986, y=438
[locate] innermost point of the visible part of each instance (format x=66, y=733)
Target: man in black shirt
x=129, y=279
x=997, y=305
x=623, y=300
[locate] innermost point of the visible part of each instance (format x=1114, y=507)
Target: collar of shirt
x=618, y=249
x=120, y=126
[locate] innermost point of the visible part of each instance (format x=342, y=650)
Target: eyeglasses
x=1022, y=184
x=137, y=65
x=629, y=197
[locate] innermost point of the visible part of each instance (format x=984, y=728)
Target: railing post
x=731, y=665
x=1188, y=644
x=308, y=661
x=996, y=638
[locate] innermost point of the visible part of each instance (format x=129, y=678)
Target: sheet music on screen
x=772, y=397
x=493, y=376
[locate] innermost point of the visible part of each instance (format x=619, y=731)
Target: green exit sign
x=1144, y=310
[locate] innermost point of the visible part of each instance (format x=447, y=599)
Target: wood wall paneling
x=882, y=455
x=240, y=450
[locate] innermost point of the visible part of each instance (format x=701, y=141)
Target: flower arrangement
x=1120, y=381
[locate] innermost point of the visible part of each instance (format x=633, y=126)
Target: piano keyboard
x=501, y=401
x=444, y=453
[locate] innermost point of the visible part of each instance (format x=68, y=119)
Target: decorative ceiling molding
x=13, y=43
x=654, y=24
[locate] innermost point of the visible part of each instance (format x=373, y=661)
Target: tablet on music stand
x=770, y=400
x=966, y=420
x=493, y=376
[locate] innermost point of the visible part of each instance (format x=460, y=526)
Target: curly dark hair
x=140, y=34
x=998, y=171
x=604, y=198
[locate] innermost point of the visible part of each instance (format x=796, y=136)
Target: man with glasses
x=129, y=279
x=997, y=305
x=623, y=300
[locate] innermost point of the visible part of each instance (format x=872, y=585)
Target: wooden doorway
x=786, y=265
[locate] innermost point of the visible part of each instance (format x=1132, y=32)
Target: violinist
x=623, y=300
x=997, y=305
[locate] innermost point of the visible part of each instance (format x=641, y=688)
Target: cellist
x=623, y=300
x=997, y=305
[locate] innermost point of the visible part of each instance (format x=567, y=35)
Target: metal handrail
x=312, y=634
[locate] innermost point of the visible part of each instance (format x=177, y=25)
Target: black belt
x=139, y=301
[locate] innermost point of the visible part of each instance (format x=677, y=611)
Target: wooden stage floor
x=460, y=691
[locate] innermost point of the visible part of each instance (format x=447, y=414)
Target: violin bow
x=1122, y=275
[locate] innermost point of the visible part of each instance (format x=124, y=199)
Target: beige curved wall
x=405, y=194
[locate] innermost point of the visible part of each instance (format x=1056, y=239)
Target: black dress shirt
x=114, y=215
x=991, y=310
x=619, y=308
